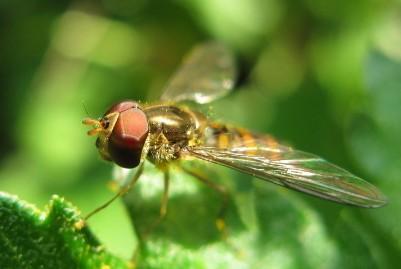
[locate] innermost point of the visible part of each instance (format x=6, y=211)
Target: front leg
x=122, y=192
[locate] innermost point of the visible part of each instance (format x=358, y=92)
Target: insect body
x=129, y=133
x=172, y=129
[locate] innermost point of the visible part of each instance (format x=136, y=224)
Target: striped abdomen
x=222, y=136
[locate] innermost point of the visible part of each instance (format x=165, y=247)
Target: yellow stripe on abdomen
x=247, y=140
x=223, y=141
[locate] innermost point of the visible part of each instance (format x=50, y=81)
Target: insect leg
x=121, y=192
x=164, y=202
x=162, y=214
x=163, y=205
x=220, y=223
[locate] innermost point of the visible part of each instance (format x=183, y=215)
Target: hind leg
x=220, y=223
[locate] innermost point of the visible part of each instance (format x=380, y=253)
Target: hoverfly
x=129, y=133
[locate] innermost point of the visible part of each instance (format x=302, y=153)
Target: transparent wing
x=264, y=158
x=207, y=73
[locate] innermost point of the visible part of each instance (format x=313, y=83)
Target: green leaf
x=375, y=142
x=268, y=226
x=30, y=238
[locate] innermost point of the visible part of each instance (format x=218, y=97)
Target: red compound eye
x=122, y=106
x=129, y=134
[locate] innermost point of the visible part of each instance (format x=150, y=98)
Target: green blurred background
x=323, y=76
